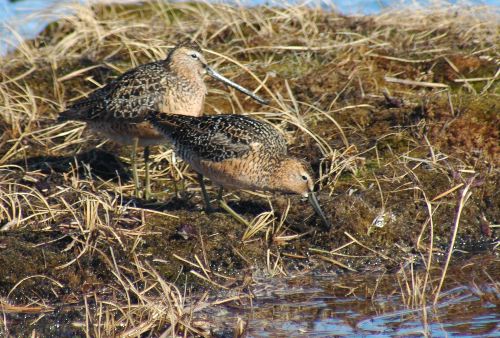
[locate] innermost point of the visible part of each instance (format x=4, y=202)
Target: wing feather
x=131, y=96
x=219, y=137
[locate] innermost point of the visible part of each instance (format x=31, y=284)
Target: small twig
x=415, y=83
x=197, y=274
x=463, y=199
x=366, y=247
x=447, y=192
x=336, y=262
x=152, y=211
x=233, y=213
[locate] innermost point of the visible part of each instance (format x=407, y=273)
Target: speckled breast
x=186, y=98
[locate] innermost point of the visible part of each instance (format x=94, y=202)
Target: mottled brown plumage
x=238, y=152
x=174, y=85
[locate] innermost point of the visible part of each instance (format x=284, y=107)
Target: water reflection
x=352, y=305
x=356, y=306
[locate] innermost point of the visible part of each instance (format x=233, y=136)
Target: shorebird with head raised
x=174, y=85
x=238, y=152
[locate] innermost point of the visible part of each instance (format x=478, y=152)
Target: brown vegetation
x=399, y=118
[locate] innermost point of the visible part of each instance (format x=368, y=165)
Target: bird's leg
x=133, y=159
x=171, y=164
x=220, y=193
x=208, y=206
x=147, y=183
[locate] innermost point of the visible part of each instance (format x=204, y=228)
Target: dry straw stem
x=259, y=223
x=464, y=196
x=208, y=275
x=5, y=307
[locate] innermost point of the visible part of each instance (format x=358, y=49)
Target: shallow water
x=326, y=305
x=347, y=305
x=318, y=314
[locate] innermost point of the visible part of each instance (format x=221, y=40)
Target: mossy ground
x=71, y=225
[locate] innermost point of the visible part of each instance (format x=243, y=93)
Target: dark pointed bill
x=315, y=204
x=236, y=86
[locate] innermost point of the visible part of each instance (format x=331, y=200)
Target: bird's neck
x=187, y=73
x=275, y=175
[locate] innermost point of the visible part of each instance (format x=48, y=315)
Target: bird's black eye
x=304, y=177
x=194, y=56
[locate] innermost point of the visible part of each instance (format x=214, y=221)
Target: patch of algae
x=31, y=266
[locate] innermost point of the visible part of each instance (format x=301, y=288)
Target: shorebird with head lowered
x=238, y=152
x=174, y=85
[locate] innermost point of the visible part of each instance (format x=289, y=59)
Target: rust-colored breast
x=248, y=172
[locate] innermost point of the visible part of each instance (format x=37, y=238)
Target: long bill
x=236, y=86
x=315, y=204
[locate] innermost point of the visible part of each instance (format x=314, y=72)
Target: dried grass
x=325, y=75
